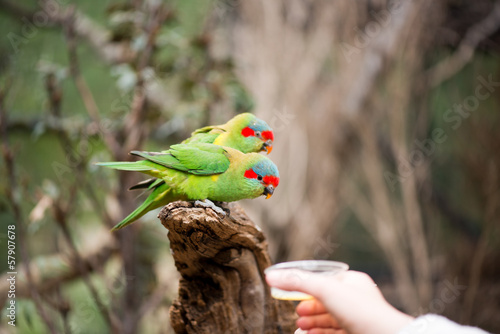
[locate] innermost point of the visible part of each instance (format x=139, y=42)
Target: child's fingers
x=310, y=307
x=324, y=320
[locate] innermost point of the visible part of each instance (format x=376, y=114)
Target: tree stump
x=221, y=260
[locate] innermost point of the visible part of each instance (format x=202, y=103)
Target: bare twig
x=11, y=191
x=97, y=36
x=16, y=10
x=490, y=187
x=51, y=271
x=153, y=301
x=61, y=214
x=475, y=35
x=49, y=125
x=55, y=96
x=132, y=129
x=81, y=84
x=61, y=305
x=388, y=231
x=373, y=59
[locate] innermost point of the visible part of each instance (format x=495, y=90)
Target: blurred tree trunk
x=221, y=260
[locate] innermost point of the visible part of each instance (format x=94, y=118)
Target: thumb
x=303, y=281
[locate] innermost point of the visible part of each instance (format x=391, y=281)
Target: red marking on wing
x=247, y=132
x=250, y=174
x=269, y=179
x=268, y=135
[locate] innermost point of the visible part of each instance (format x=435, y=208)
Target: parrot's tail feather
x=156, y=184
x=157, y=198
x=143, y=184
x=126, y=165
x=163, y=159
x=147, y=184
x=146, y=154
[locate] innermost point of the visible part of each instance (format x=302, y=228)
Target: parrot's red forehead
x=268, y=135
x=274, y=180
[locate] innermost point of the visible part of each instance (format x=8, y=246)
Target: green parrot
x=244, y=132
x=200, y=171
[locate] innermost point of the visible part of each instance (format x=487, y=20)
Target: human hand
x=348, y=302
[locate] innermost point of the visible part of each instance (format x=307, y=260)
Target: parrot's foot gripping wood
x=221, y=260
x=206, y=203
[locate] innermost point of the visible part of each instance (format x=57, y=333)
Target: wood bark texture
x=221, y=259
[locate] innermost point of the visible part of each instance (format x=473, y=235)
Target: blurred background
x=386, y=118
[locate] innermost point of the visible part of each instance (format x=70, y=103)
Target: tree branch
x=221, y=260
x=135, y=132
x=475, y=35
x=83, y=89
x=50, y=272
x=81, y=265
x=12, y=192
x=377, y=52
x=15, y=10
x=98, y=38
x=61, y=212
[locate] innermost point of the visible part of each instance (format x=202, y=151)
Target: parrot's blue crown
x=260, y=125
x=266, y=167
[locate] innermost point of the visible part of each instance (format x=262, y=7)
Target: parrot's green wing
x=206, y=134
x=197, y=159
x=137, y=166
x=207, y=138
x=209, y=128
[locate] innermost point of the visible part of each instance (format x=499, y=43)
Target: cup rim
x=308, y=264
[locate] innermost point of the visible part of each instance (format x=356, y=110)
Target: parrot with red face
x=244, y=132
x=200, y=171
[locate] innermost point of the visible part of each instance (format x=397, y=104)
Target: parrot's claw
x=206, y=203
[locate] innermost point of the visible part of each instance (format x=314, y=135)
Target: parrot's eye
x=259, y=178
x=258, y=134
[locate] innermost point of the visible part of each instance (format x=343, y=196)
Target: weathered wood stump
x=221, y=261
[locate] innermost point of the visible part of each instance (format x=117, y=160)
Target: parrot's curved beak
x=268, y=191
x=267, y=146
